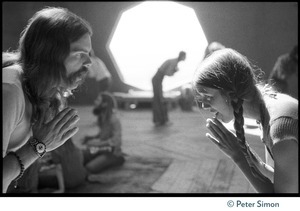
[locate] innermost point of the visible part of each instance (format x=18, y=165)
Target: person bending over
x=159, y=108
x=51, y=61
x=228, y=86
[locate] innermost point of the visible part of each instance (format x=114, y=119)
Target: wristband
x=22, y=169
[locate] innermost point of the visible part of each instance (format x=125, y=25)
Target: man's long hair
x=43, y=47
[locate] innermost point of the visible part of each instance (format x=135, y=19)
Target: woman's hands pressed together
x=224, y=139
x=57, y=131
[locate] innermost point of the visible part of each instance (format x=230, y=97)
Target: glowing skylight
x=152, y=32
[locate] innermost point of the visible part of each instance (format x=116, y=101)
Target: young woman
x=228, y=85
x=107, y=143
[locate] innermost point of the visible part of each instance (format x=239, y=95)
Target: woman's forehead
x=205, y=91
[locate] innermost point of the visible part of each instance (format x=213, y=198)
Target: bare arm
x=268, y=168
x=53, y=134
x=285, y=173
x=228, y=143
x=11, y=167
x=260, y=182
x=286, y=166
x=13, y=111
x=117, y=131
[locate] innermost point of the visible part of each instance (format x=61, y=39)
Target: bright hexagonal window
x=151, y=32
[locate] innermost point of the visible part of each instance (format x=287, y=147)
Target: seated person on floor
x=107, y=143
x=77, y=167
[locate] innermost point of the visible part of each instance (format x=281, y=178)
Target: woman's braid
x=246, y=150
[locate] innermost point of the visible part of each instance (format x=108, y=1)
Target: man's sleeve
x=12, y=110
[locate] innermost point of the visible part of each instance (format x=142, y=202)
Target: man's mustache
x=79, y=74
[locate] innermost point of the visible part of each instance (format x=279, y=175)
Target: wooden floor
x=197, y=165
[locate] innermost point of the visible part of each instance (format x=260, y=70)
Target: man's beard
x=74, y=81
x=80, y=74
